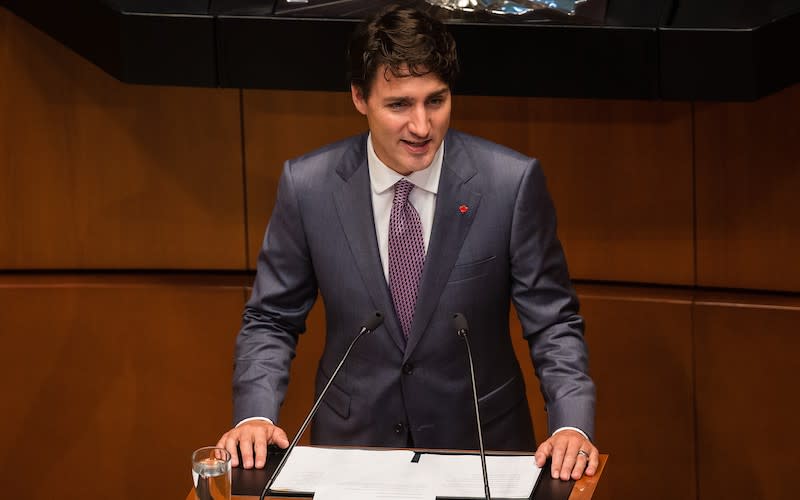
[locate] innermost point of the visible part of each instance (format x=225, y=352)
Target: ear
x=358, y=99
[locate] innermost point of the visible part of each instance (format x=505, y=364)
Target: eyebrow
x=437, y=93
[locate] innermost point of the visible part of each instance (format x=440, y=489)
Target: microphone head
x=460, y=323
x=373, y=321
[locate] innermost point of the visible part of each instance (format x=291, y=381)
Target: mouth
x=417, y=146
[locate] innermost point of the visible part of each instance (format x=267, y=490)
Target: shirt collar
x=383, y=178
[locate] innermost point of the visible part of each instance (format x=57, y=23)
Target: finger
x=594, y=462
x=580, y=465
x=260, y=446
x=559, y=450
x=246, y=442
x=258, y=435
x=544, y=451
x=279, y=438
x=230, y=444
x=223, y=443
x=571, y=447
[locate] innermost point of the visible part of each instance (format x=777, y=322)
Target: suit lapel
x=450, y=228
x=354, y=208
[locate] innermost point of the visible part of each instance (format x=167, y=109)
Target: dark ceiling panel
x=557, y=61
x=153, y=45
x=657, y=49
x=302, y=54
x=729, y=50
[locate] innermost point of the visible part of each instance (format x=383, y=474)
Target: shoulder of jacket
x=351, y=145
x=481, y=146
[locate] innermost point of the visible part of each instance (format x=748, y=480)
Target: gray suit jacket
x=321, y=238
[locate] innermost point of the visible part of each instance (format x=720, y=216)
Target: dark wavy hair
x=407, y=42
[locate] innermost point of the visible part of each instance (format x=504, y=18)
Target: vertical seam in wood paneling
x=692, y=130
x=693, y=333
x=693, y=308
x=245, y=218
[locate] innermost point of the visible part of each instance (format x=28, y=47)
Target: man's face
x=408, y=117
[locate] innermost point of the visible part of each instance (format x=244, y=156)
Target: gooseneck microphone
x=372, y=322
x=460, y=324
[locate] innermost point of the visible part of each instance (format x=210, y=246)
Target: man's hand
x=573, y=455
x=252, y=436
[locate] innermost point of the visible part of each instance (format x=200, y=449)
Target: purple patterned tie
x=406, y=254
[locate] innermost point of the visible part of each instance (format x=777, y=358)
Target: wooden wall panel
x=107, y=389
x=641, y=360
x=620, y=173
x=99, y=174
x=278, y=126
x=748, y=177
x=747, y=403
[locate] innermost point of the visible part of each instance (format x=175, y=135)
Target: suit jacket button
x=408, y=368
x=399, y=428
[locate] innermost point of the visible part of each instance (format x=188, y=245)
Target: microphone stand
x=371, y=324
x=460, y=322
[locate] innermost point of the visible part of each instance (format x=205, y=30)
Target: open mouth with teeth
x=417, y=145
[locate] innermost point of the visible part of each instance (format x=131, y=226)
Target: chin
x=419, y=164
x=418, y=167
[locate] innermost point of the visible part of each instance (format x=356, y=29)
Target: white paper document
x=461, y=476
x=356, y=474
x=310, y=467
x=403, y=482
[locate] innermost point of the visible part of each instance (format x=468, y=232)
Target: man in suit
x=418, y=222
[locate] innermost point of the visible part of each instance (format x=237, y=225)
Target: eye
x=397, y=105
x=436, y=101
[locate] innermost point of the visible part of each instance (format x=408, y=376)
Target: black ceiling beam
x=660, y=49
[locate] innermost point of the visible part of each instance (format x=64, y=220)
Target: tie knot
x=402, y=188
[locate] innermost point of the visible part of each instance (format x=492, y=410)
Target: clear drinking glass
x=211, y=472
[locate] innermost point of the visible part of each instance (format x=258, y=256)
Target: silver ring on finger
x=583, y=453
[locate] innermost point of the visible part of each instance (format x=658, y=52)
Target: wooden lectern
x=247, y=485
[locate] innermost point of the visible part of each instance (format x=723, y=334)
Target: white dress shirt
x=423, y=197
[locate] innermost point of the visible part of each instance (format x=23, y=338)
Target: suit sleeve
x=548, y=308
x=284, y=291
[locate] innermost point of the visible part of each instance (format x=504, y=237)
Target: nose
x=419, y=123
